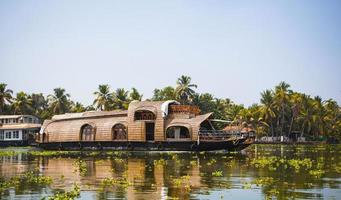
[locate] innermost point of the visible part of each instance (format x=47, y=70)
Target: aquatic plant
x=217, y=173
x=28, y=178
x=107, y=182
x=160, y=162
x=182, y=182
x=212, y=161
x=263, y=181
x=8, y=153
x=247, y=186
x=55, y=153
x=74, y=193
x=297, y=164
x=316, y=173
x=80, y=166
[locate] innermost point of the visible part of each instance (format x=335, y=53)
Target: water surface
x=258, y=172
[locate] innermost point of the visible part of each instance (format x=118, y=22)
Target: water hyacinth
x=80, y=166
x=28, y=178
x=74, y=193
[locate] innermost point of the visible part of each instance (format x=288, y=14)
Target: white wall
x=12, y=134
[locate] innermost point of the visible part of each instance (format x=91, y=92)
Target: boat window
x=144, y=115
x=87, y=133
x=119, y=132
x=177, y=132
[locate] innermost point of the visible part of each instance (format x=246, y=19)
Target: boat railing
x=205, y=135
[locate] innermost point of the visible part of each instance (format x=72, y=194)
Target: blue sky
x=233, y=49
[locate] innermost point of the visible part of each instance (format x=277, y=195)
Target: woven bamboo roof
x=89, y=114
x=197, y=120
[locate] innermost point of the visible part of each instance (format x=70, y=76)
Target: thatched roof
x=194, y=121
x=89, y=114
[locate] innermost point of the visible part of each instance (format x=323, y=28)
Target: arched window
x=87, y=133
x=144, y=115
x=177, y=133
x=119, y=132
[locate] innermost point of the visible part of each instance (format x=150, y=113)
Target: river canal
x=258, y=172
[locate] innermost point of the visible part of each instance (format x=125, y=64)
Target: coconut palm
x=332, y=118
x=135, y=95
x=306, y=114
x=281, y=102
x=296, y=103
x=103, y=97
x=167, y=93
x=59, y=102
x=267, y=112
x=121, y=100
x=184, y=91
x=77, y=107
x=5, y=96
x=318, y=115
x=39, y=103
x=22, y=104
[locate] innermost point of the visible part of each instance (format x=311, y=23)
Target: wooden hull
x=148, y=146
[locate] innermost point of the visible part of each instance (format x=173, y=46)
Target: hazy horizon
x=230, y=49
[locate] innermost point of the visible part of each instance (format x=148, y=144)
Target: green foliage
x=217, y=173
x=167, y=93
x=80, y=166
x=121, y=181
x=281, y=111
x=28, y=178
x=74, y=193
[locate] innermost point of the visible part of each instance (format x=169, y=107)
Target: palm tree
x=103, y=97
x=332, y=118
x=184, y=91
x=267, y=110
x=59, y=102
x=318, y=115
x=39, y=103
x=77, y=107
x=121, y=100
x=167, y=93
x=306, y=114
x=135, y=95
x=22, y=104
x=281, y=99
x=296, y=103
x=5, y=96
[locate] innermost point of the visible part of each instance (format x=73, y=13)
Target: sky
x=232, y=49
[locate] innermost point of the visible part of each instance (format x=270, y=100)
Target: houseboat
x=18, y=130
x=146, y=125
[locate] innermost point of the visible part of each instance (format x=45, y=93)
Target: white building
x=18, y=129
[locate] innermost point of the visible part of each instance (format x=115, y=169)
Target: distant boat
x=145, y=126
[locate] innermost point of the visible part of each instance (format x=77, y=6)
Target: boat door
x=150, y=129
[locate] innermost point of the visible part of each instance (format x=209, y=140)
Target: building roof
x=14, y=116
x=89, y=114
x=19, y=126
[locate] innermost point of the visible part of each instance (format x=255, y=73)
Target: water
x=258, y=172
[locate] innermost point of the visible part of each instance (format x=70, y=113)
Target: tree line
x=281, y=111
